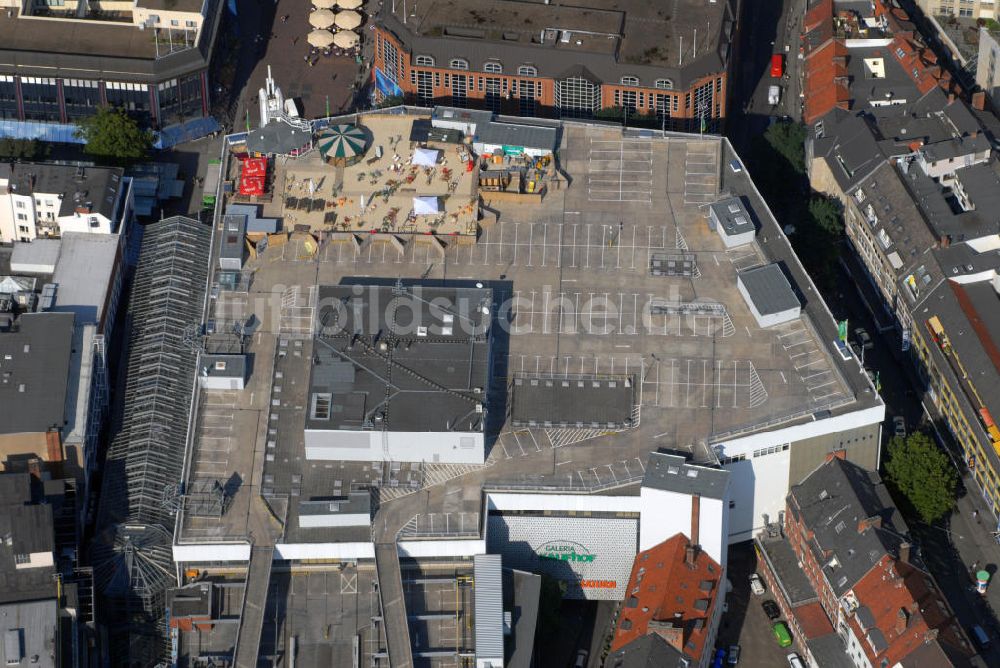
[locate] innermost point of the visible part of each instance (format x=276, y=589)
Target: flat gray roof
x=488, y=595
x=517, y=134
x=83, y=273
x=627, y=37
x=769, y=289
x=355, y=503
x=34, y=372
x=415, y=356
x=672, y=473
x=30, y=634
x=223, y=366
x=43, y=252
x=577, y=401
x=733, y=216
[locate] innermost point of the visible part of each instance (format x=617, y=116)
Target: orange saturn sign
x=598, y=584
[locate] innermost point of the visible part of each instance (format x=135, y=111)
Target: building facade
x=568, y=62
x=62, y=60
x=48, y=200
x=842, y=565
x=987, y=76
x=970, y=9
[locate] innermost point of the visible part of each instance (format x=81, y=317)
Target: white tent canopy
x=425, y=157
x=423, y=206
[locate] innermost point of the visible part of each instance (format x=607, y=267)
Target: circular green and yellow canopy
x=341, y=141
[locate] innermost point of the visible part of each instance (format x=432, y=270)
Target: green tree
x=824, y=214
x=22, y=149
x=922, y=473
x=788, y=140
x=113, y=135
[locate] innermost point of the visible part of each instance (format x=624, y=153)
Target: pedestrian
x=975, y=514
x=284, y=18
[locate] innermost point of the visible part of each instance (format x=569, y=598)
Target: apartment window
x=527, y=71
x=21, y=216
x=493, y=94
x=630, y=81
x=23, y=229
x=424, y=61
x=175, y=23
x=458, y=64
x=191, y=24
x=425, y=91
x=577, y=97
x=628, y=100
x=391, y=59
x=459, y=86
x=664, y=84
x=492, y=67
x=20, y=204
x=153, y=18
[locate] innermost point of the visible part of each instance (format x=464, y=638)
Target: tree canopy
x=22, y=149
x=115, y=136
x=922, y=473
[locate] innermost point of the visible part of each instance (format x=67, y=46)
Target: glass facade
x=81, y=97
x=425, y=88
x=40, y=96
x=577, y=97
x=8, y=97
x=493, y=99
x=132, y=97
x=459, y=86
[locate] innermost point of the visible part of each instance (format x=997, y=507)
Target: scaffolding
x=132, y=554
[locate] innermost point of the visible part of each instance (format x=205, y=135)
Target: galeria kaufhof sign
x=561, y=550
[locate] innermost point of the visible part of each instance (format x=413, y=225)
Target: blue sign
x=385, y=86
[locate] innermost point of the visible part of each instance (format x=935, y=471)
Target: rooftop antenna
x=681, y=51
x=695, y=50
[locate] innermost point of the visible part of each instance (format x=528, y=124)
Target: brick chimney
x=979, y=100
x=669, y=631
x=836, y=454
x=904, y=552
x=695, y=519
x=902, y=620
x=866, y=523
x=690, y=553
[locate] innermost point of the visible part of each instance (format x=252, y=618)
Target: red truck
x=777, y=65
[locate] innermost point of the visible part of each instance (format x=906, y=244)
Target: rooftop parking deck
x=574, y=294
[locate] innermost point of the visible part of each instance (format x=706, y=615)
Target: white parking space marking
x=704, y=383
x=620, y=171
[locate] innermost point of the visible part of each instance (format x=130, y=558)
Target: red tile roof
x=812, y=620
x=908, y=610
x=825, y=84
x=667, y=596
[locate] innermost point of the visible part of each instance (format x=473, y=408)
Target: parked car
x=781, y=634
x=581, y=659
x=863, y=339
x=720, y=658
x=756, y=586
x=734, y=655
x=771, y=609
x=899, y=426
x=794, y=661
